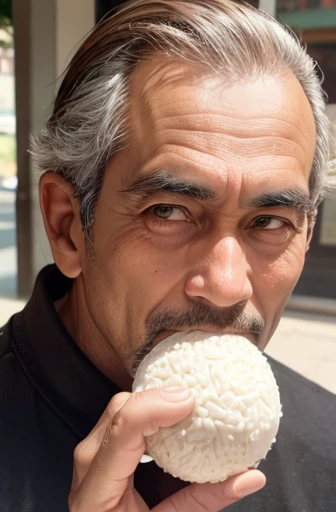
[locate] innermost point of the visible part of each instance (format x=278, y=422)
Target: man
x=185, y=158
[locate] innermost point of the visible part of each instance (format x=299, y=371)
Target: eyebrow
x=290, y=198
x=164, y=182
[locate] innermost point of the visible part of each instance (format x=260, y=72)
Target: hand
x=105, y=461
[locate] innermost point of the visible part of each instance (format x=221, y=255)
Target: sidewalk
x=8, y=307
x=304, y=342
x=307, y=344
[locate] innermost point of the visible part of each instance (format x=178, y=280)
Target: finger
x=86, y=451
x=97, y=433
x=213, y=497
x=124, y=442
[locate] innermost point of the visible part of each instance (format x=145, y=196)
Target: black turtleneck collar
x=70, y=384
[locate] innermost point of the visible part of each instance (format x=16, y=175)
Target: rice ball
x=237, y=405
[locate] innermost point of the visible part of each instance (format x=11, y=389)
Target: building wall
x=43, y=46
x=74, y=20
x=315, y=22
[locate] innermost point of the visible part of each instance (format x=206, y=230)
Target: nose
x=222, y=277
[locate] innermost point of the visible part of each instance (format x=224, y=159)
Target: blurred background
x=37, y=40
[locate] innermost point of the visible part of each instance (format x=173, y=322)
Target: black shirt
x=51, y=396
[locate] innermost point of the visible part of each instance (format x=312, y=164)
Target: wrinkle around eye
x=179, y=212
x=175, y=231
x=166, y=224
x=269, y=219
x=277, y=236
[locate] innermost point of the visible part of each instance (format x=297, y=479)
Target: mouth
x=250, y=336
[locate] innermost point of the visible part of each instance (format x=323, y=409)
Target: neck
x=75, y=316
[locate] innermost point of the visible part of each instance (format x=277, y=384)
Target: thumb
x=213, y=497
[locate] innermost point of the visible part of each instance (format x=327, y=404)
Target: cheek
x=135, y=273
x=281, y=275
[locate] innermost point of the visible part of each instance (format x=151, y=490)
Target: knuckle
x=108, y=434
x=82, y=454
x=114, y=428
x=117, y=402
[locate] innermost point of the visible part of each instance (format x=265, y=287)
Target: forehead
x=180, y=110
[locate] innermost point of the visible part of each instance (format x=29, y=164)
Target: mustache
x=199, y=315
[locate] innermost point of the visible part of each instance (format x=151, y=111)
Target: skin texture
x=240, y=142
x=217, y=256
x=106, y=460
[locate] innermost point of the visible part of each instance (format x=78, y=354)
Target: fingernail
x=175, y=394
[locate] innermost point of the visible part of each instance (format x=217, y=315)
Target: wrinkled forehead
x=169, y=88
x=184, y=117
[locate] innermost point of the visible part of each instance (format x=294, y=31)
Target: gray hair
x=90, y=120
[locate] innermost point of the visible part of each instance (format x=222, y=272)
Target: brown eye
x=169, y=212
x=273, y=230
x=269, y=223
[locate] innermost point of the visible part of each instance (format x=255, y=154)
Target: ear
x=311, y=224
x=60, y=211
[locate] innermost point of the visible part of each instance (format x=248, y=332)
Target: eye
x=269, y=223
x=171, y=220
x=272, y=230
x=169, y=212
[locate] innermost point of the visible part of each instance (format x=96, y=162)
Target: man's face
x=201, y=222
